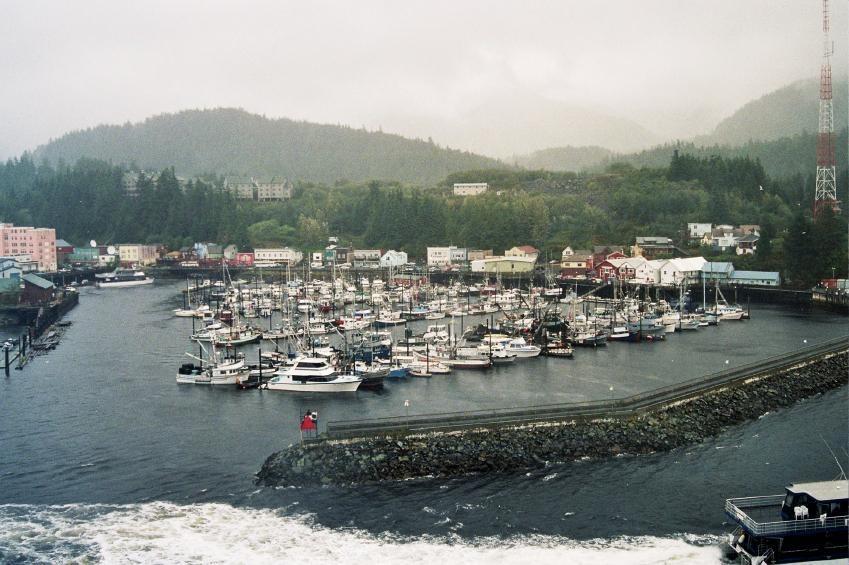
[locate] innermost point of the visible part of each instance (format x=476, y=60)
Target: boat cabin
x=813, y=500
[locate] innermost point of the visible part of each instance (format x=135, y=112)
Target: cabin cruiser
x=312, y=374
x=121, y=278
x=522, y=349
x=809, y=522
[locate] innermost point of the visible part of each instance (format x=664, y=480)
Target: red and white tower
x=826, y=186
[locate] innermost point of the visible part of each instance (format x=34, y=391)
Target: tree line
x=549, y=210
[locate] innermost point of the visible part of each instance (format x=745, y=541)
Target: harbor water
x=105, y=458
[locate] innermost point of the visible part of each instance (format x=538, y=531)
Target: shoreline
x=514, y=448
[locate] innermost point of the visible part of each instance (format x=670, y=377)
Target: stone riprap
x=509, y=448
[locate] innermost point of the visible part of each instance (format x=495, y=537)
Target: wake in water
x=161, y=532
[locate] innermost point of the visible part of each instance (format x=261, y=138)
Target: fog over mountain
x=497, y=78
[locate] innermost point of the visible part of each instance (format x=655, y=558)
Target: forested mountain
x=565, y=158
x=785, y=112
x=779, y=129
x=231, y=141
x=783, y=157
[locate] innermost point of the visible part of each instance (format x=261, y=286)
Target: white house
x=698, y=230
x=470, y=188
x=393, y=258
x=678, y=271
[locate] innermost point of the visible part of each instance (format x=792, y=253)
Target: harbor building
x=504, y=265
x=393, y=259
x=366, y=258
x=439, y=256
x=34, y=244
x=137, y=254
x=527, y=251
x=277, y=256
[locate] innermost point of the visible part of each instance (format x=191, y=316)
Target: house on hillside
x=652, y=246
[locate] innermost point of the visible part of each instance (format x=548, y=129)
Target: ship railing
x=736, y=509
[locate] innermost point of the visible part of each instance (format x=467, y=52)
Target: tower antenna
x=825, y=195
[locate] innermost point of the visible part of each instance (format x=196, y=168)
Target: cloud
x=674, y=67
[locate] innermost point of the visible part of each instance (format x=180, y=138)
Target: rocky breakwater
x=507, y=448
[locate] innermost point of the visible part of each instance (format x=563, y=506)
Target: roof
x=528, y=249
x=608, y=248
x=632, y=261
x=37, y=281
x=717, y=267
x=582, y=252
x=62, y=243
x=763, y=275
x=654, y=240
x=688, y=263
x=749, y=238
x=822, y=490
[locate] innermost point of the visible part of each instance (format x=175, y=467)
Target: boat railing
x=736, y=508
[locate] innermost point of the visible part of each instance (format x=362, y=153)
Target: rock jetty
x=448, y=454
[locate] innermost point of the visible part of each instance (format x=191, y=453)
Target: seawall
x=510, y=448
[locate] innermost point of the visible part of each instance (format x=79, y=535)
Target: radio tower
x=826, y=186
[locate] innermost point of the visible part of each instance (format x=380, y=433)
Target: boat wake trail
x=219, y=533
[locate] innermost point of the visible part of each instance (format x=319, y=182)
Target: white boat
x=499, y=354
x=122, y=278
x=227, y=372
x=522, y=349
x=312, y=374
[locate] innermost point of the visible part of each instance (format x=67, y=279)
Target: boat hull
x=122, y=284
x=314, y=386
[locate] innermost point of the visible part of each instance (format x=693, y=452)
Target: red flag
x=307, y=423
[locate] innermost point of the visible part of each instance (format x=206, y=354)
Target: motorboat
x=227, y=372
x=522, y=349
x=808, y=523
x=312, y=374
x=122, y=278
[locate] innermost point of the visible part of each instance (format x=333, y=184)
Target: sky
x=450, y=70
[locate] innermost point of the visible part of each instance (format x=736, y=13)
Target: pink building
x=39, y=244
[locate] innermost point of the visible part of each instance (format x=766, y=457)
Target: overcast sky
x=675, y=67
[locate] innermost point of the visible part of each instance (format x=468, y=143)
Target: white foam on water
x=162, y=532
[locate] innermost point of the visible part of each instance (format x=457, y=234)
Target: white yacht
x=312, y=374
x=121, y=278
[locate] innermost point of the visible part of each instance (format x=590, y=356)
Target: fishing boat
x=312, y=374
x=122, y=278
x=619, y=333
x=808, y=523
x=227, y=371
x=588, y=337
